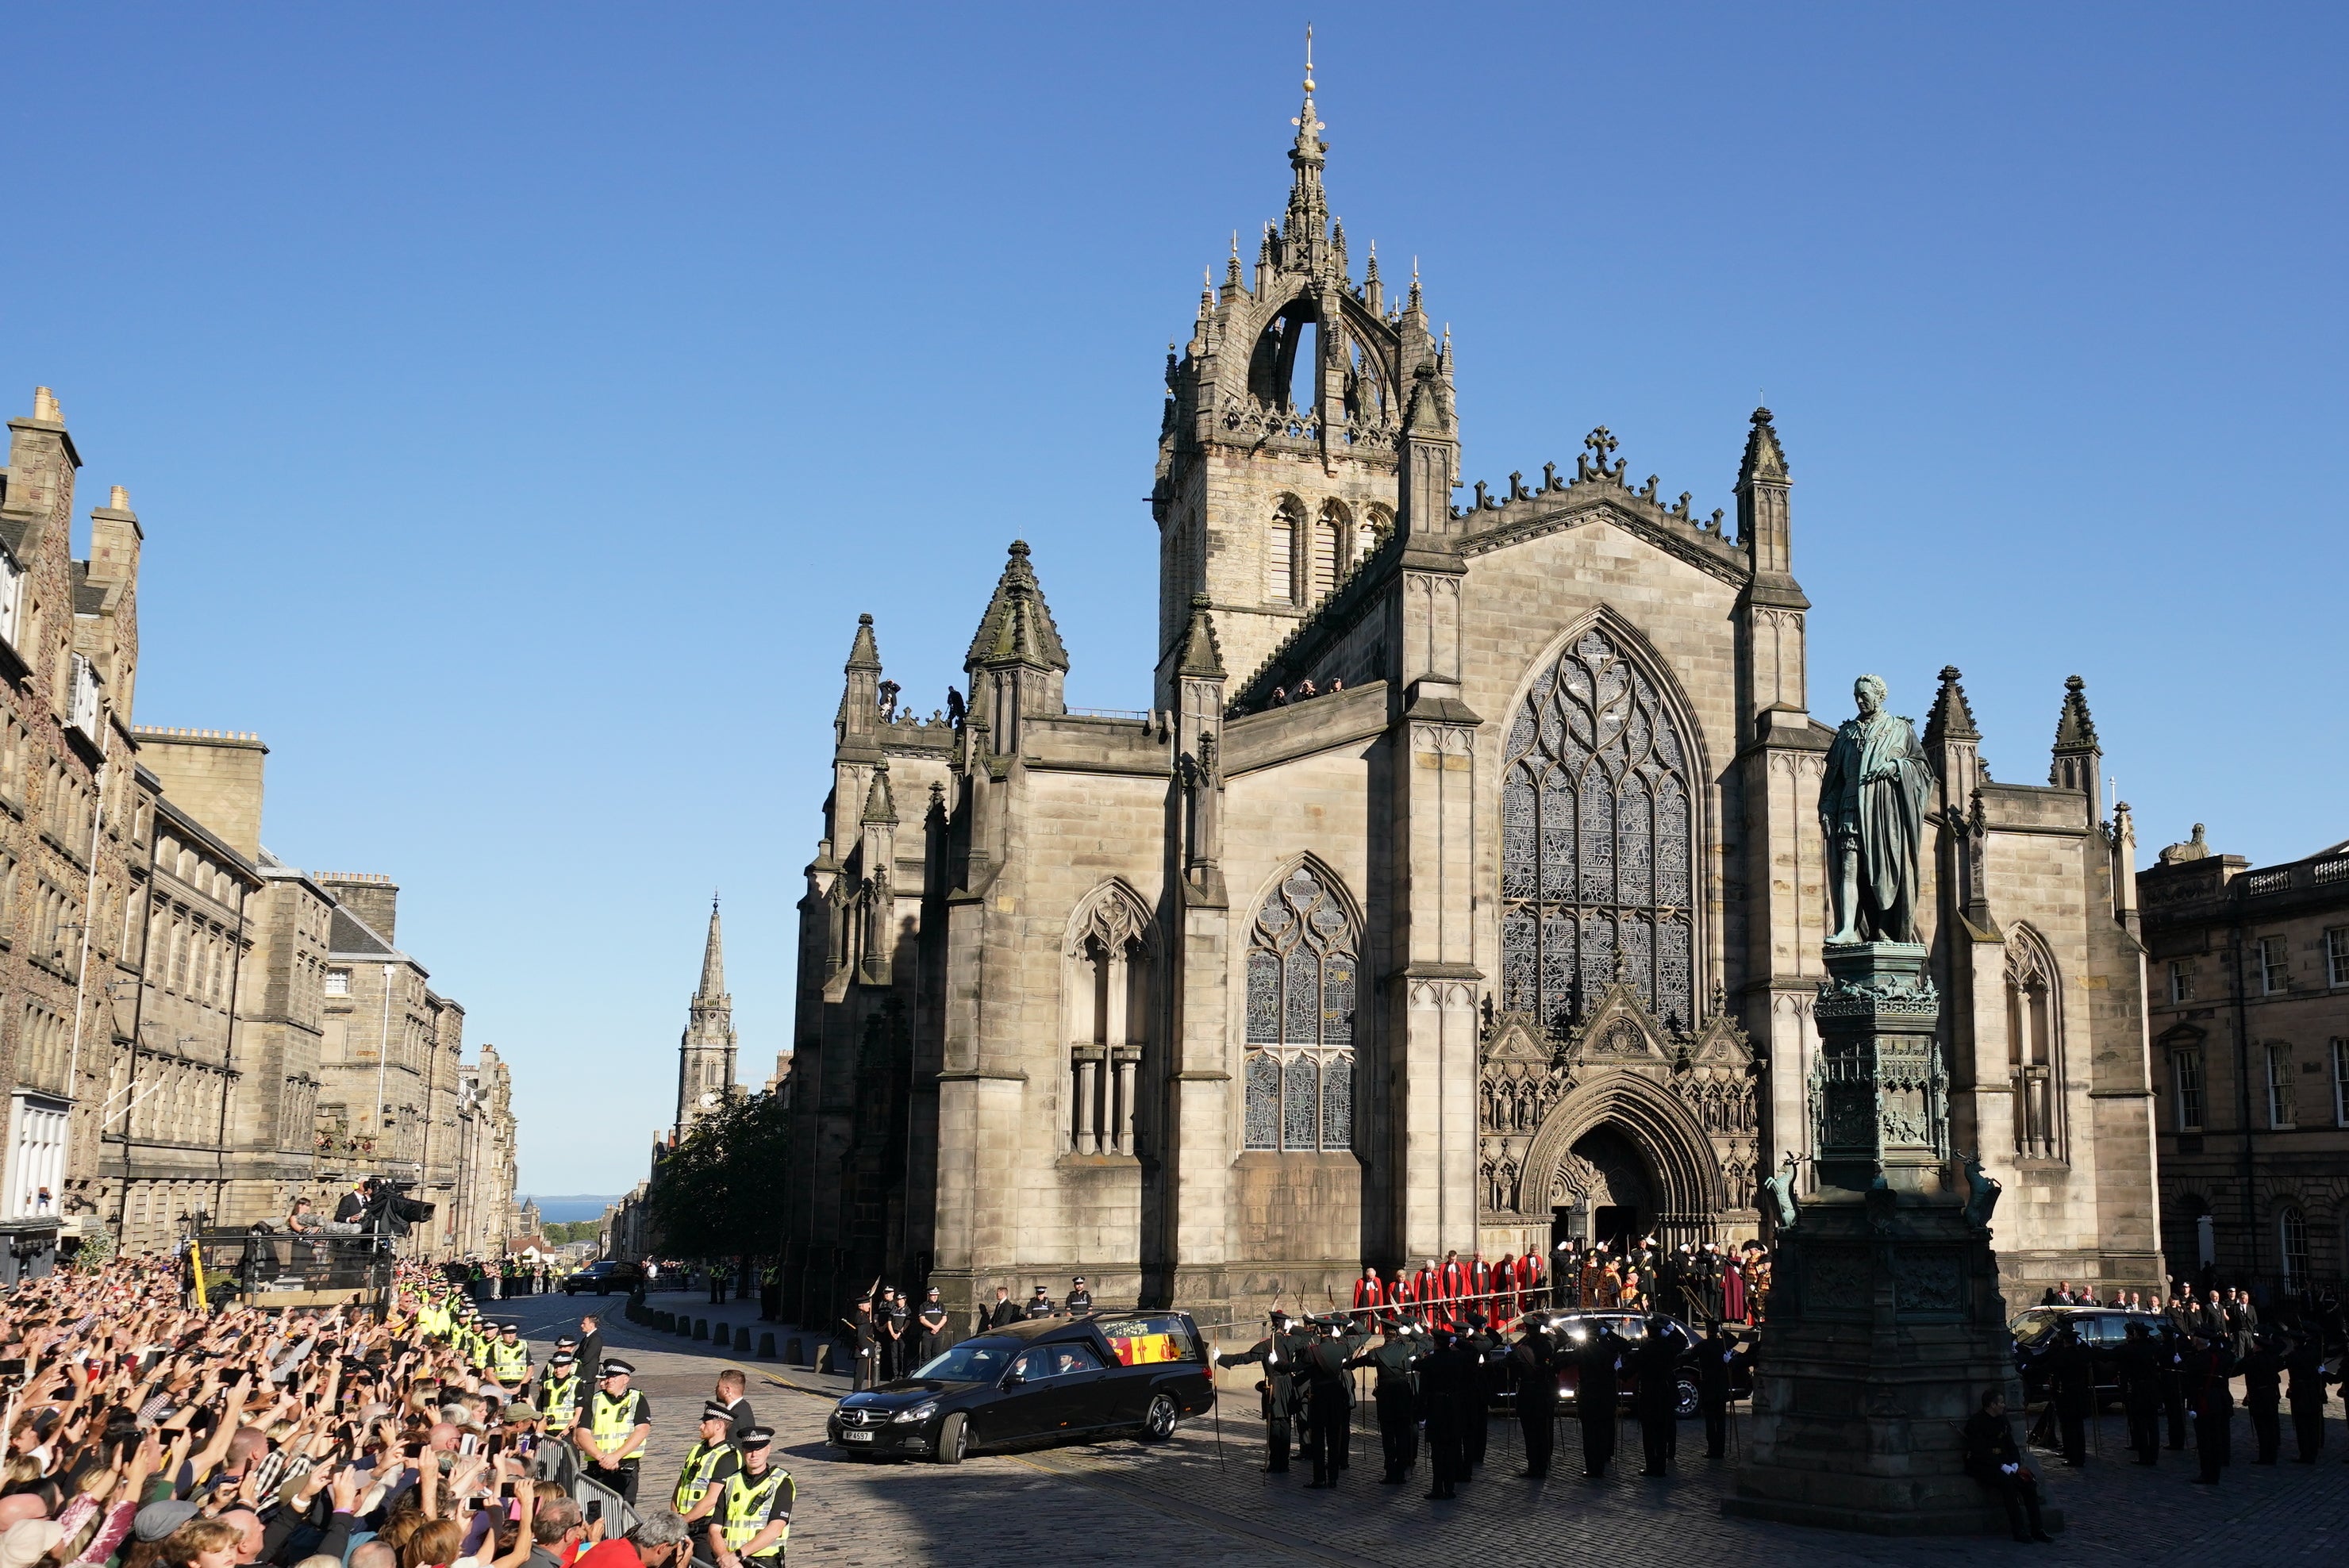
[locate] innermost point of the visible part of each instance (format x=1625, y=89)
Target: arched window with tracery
x=1107, y=979
x=1299, y=1077
x=1597, y=845
x=1377, y=524
x=2034, y=1045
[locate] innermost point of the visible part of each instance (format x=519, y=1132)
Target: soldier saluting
x=1394, y=1391
x=1276, y=1354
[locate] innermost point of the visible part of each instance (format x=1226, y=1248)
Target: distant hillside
x=571, y=1206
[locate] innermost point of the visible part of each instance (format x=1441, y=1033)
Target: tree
x=713, y=1196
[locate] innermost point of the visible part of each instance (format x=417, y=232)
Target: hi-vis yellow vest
x=613, y=1419
x=694, y=1479
x=748, y=1507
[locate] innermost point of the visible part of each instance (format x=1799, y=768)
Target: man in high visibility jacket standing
x=559, y=1391
x=613, y=1430
x=701, y=1484
x=753, y=1519
x=510, y=1360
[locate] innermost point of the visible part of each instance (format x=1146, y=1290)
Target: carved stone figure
x=1981, y=1191
x=1872, y=809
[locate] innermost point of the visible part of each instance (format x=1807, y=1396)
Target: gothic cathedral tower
x=705, y=1053
x=1279, y=454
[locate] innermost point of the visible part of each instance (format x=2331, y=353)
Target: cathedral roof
x=1017, y=626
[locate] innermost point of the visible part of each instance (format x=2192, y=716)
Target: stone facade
x=1460, y=889
x=2249, y=1022
x=168, y=1024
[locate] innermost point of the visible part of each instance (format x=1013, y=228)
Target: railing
x=1142, y=714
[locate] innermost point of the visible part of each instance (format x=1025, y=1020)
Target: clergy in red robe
x=1529, y=1281
x=1370, y=1291
x=1480, y=1284
x=1732, y=1292
x=1452, y=1287
x=1506, y=1303
x=1424, y=1293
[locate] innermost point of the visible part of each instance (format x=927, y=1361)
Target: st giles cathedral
x=1462, y=889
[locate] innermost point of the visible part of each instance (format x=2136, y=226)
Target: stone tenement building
x=1509, y=930
x=2250, y=1048
x=179, y=1016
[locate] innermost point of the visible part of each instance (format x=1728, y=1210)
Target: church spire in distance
x=713, y=960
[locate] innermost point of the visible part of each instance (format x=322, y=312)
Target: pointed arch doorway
x=1609, y=1196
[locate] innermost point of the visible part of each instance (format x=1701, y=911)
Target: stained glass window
x=1596, y=846
x=1301, y=988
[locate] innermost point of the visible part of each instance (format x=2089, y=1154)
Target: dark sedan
x=2103, y=1329
x=1572, y=1330
x=1051, y=1380
x=604, y=1276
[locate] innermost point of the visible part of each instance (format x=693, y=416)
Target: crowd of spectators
x=143, y=1432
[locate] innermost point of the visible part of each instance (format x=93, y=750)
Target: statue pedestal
x=1886, y=1324
x=1885, y=1327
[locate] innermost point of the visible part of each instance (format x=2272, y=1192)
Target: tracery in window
x=1300, y=1019
x=1597, y=848
x=2034, y=1045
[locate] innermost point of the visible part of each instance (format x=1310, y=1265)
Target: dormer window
x=83, y=713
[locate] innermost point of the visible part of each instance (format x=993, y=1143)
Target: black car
x=2103, y=1329
x=1049, y=1380
x=604, y=1276
x=1570, y=1331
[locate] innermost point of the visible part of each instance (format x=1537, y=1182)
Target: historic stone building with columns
x=1459, y=889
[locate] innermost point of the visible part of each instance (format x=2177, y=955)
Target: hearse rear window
x=1144, y=1338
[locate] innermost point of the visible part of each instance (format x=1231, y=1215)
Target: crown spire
x=1305, y=232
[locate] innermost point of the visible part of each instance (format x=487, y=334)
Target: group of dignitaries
x=1439, y=1375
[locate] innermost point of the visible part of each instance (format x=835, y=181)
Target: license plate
x=856, y=1437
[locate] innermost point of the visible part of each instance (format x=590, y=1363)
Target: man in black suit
x=1006, y=1312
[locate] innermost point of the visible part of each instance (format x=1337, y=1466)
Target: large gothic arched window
x=1596, y=840
x=1300, y=1019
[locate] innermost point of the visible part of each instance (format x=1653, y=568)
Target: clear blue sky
x=521, y=401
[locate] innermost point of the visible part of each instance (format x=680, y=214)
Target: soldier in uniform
x=1655, y=1362
x=1492, y=1355
x=2305, y=1362
x=2207, y=1367
x=2170, y=1358
x=1597, y=1381
x=1329, y=1399
x=1445, y=1377
x=1715, y=1357
x=2140, y=1375
x=1393, y=1368
x=1276, y=1353
x=2263, y=1395
x=1534, y=1363
x=2072, y=1388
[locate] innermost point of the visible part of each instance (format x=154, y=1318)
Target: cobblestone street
x=1201, y=1502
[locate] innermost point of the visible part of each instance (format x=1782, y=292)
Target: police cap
x=616, y=1368
x=711, y=1410
x=756, y=1437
